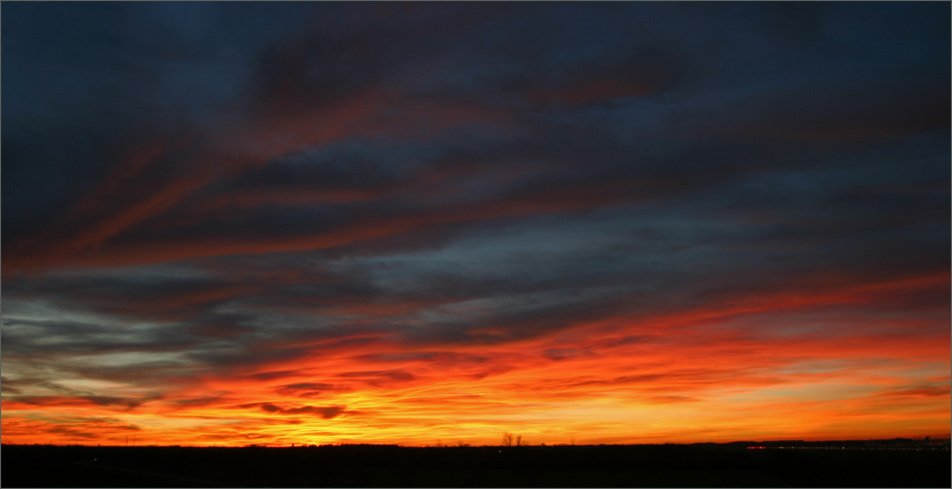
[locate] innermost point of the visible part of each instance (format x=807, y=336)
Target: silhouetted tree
x=507, y=439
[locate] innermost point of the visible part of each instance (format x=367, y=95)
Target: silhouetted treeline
x=698, y=465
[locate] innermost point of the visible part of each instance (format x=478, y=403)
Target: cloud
x=305, y=389
x=71, y=429
x=114, y=403
x=328, y=412
x=462, y=218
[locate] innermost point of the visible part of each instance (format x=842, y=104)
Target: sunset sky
x=267, y=223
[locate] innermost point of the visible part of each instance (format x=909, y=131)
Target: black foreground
x=833, y=464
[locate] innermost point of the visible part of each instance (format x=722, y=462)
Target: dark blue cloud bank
x=217, y=186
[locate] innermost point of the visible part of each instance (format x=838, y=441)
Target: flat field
x=701, y=465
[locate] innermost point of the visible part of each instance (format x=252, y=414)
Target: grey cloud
x=307, y=389
x=379, y=377
x=328, y=412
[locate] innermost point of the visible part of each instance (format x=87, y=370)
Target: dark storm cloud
x=81, y=77
x=612, y=159
x=834, y=110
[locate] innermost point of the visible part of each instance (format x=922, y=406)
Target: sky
x=420, y=223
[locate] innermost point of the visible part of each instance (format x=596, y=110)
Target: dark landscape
x=885, y=463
